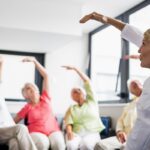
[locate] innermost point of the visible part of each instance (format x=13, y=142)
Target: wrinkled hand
x=94, y=16
x=121, y=136
x=29, y=59
x=69, y=67
x=70, y=135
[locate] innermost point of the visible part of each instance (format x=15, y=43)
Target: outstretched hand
x=28, y=59
x=94, y=16
x=68, y=67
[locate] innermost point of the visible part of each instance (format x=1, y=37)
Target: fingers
x=25, y=60
x=94, y=16
x=66, y=67
x=122, y=138
x=28, y=59
x=86, y=18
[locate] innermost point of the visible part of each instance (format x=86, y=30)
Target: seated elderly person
x=126, y=121
x=82, y=120
x=15, y=136
x=42, y=124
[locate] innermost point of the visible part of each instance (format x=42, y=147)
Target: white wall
x=74, y=53
x=32, y=41
x=41, y=15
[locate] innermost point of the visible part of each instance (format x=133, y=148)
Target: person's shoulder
x=73, y=107
x=44, y=95
x=27, y=106
x=88, y=83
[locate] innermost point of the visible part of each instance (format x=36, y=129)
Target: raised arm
x=41, y=70
x=83, y=76
x=128, y=32
x=1, y=63
x=103, y=19
x=126, y=57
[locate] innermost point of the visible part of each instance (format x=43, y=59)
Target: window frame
x=124, y=72
x=38, y=79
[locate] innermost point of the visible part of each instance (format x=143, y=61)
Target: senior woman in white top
x=139, y=139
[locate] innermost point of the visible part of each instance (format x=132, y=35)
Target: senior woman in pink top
x=42, y=124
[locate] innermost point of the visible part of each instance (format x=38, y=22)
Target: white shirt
x=5, y=117
x=139, y=139
x=132, y=34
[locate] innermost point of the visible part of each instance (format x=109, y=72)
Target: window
x=106, y=53
x=15, y=74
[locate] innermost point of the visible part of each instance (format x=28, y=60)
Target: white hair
x=81, y=89
x=30, y=84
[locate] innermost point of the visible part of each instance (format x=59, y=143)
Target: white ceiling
x=57, y=16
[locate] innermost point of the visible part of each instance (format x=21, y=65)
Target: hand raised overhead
x=68, y=67
x=28, y=59
x=94, y=16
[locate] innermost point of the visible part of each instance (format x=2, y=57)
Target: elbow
x=45, y=75
x=17, y=119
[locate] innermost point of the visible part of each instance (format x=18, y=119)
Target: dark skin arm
x=103, y=19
